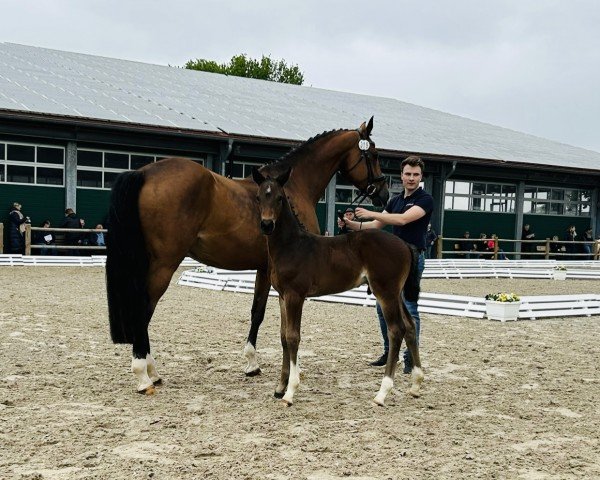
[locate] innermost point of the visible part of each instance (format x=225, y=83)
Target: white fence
x=532, y=307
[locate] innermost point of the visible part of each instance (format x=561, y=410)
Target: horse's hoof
x=253, y=373
x=148, y=390
x=379, y=403
x=278, y=394
x=286, y=403
x=158, y=382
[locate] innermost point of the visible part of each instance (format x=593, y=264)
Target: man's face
x=349, y=215
x=411, y=177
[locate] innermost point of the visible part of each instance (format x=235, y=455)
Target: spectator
x=555, y=248
x=570, y=236
x=430, y=239
x=72, y=238
x=467, y=246
x=482, y=246
x=588, y=248
x=44, y=238
x=527, y=248
x=348, y=215
x=16, y=229
x=491, y=246
x=96, y=239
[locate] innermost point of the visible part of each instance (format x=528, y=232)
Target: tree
x=243, y=66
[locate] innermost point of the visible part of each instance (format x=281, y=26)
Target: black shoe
x=380, y=362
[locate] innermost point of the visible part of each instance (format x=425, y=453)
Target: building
x=69, y=123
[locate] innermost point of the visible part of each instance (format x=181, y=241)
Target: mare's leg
x=413, y=347
x=143, y=365
x=293, y=310
x=262, y=286
x=395, y=331
x=285, y=360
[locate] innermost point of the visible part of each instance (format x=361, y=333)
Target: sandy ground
x=500, y=400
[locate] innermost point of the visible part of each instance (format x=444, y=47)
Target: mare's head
x=271, y=198
x=362, y=168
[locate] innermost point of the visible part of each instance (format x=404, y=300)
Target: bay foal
x=306, y=265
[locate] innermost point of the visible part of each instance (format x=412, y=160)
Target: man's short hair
x=413, y=161
x=349, y=210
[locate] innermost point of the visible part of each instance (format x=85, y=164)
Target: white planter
x=503, y=311
x=559, y=274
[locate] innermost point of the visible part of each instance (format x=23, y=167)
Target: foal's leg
x=262, y=286
x=285, y=360
x=417, y=375
x=395, y=330
x=293, y=307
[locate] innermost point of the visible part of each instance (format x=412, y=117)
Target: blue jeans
x=414, y=312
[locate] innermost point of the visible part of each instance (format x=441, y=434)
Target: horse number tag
x=364, y=145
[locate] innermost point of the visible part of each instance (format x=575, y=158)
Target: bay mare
x=175, y=208
x=306, y=265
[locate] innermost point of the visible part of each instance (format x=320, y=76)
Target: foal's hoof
x=286, y=403
x=253, y=373
x=415, y=392
x=148, y=390
x=379, y=403
x=277, y=394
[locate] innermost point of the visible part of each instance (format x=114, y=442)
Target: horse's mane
x=292, y=157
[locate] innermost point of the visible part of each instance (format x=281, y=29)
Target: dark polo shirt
x=413, y=232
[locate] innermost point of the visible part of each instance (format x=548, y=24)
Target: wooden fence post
x=439, y=247
x=27, y=239
x=547, y=256
x=1, y=238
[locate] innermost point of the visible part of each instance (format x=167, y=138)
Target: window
x=480, y=196
x=557, y=201
x=32, y=164
x=20, y=153
x=49, y=176
x=99, y=169
x=19, y=174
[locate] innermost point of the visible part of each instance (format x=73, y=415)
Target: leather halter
x=369, y=159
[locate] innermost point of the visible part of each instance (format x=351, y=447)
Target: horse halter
x=365, y=144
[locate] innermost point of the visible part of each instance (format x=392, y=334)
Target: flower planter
x=559, y=274
x=503, y=311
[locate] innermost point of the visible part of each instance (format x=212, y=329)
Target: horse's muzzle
x=381, y=196
x=267, y=226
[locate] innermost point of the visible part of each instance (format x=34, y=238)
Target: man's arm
x=384, y=218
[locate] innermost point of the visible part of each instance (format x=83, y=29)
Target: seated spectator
x=483, y=246
x=96, y=239
x=588, y=248
x=467, y=246
x=491, y=245
x=44, y=238
x=555, y=248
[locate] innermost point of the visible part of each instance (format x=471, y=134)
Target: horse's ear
x=257, y=176
x=370, y=126
x=283, y=178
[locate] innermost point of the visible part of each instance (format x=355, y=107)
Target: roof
x=53, y=82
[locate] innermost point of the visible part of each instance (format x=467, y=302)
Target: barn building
x=70, y=123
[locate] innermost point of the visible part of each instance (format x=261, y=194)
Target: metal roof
x=54, y=82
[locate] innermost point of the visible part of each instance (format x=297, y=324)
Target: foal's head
x=271, y=198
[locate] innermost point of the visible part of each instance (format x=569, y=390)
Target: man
x=527, y=248
x=348, y=215
x=467, y=245
x=430, y=239
x=71, y=238
x=409, y=213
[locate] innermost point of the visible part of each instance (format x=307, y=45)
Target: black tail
x=126, y=260
x=412, y=286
